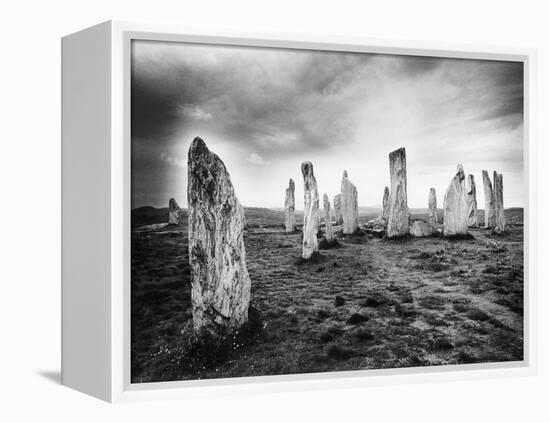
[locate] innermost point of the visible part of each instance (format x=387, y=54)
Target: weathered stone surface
x=174, y=212
x=500, y=221
x=489, y=201
x=472, y=202
x=311, y=212
x=350, y=207
x=378, y=222
x=386, y=204
x=432, y=207
x=455, y=206
x=328, y=218
x=398, y=221
x=220, y=284
x=376, y=227
x=337, y=203
x=290, y=205
x=422, y=229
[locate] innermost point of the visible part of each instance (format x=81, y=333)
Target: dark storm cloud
x=297, y=102
x=476, y=94
x=152, y=110
x=158, y=94
x=510, y=111
x=413, y=66
x=504, y=92
x=275, y=105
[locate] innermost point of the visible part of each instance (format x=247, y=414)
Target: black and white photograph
x=303, y=211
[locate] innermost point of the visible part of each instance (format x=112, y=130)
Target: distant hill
x=148, y=215
x=513, y=209
x=370, y=210
x=262, y=216
x=362, y=209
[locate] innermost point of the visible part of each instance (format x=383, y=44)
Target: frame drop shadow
x=54, y=376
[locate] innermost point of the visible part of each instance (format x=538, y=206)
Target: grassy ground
x=368, y=304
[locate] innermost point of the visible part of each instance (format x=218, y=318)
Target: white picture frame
x=96, y=213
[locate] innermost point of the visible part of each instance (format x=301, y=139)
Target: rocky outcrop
x=398, y=221
x=337, y=204
x=290, y=205
x=422, y=229
x=455, y=206
x=489, y=201
x=328, y=218
x=174, y=212
x=472, y=202
x=500, y=221
x=432, y=207
x=220, y=284
x=311, y=212
x=350, y=207
x=386, y=204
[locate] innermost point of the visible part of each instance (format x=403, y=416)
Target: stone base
x=420, y=229
x=376, y=232
x=378, y=222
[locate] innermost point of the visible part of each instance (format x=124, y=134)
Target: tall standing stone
x=311, y=212
x=386, y=204
x=472, y=202
x=337, y=203
x=350, y=207
x=328, y=218
x=220, y=284
x=489, y=201
x=500, y=221
x=173, y=212
x=290, y=205
x=455, y=206
x=432, y=207
x=398, y=221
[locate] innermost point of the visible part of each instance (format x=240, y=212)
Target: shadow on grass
x=325, y=244
x=314, y=259
x=460, y=237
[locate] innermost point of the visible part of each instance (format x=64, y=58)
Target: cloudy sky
x=265, y=111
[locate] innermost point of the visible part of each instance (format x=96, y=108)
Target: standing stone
x=386, y=204
x=489, y=201
x=328, y=218
x=398, y=221
x=337, y=203
x=290, y=217
x=350, y=207
x=220, y=284
x=173, y=212
x=500, y=221
x=472, y=202
x=455, y=206
x=311, y=212
x=432, y=207
x=422, y=229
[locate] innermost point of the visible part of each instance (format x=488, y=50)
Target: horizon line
x=320, y=208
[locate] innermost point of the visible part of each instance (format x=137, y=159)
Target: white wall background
x=30, y=207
